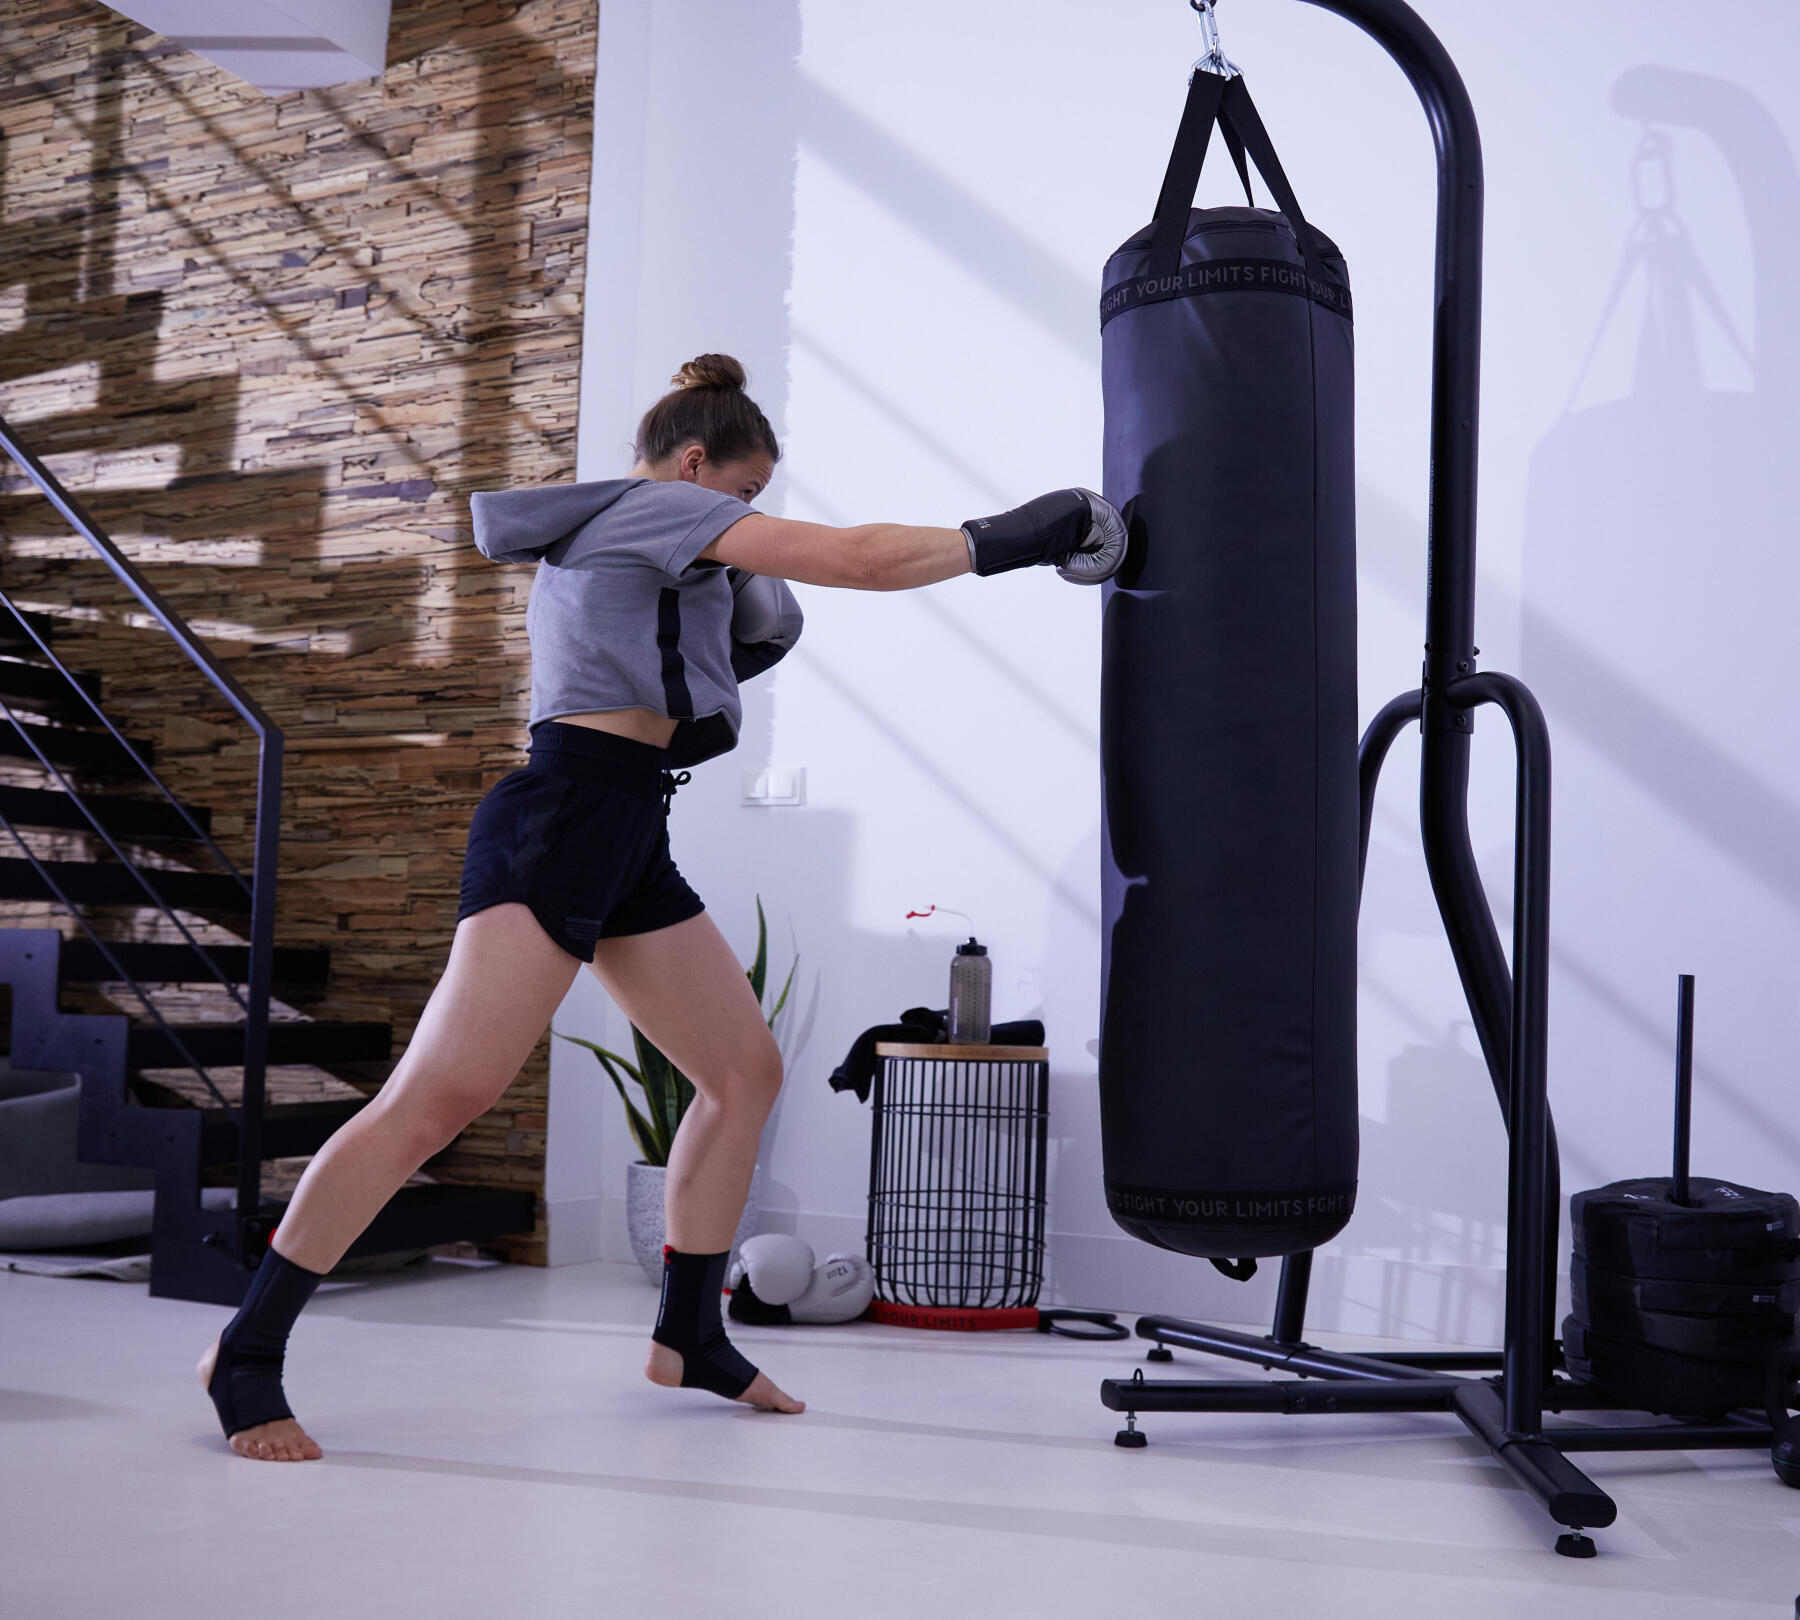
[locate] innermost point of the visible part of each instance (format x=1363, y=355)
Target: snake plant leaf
x=759, y=970
x=782, y=1002
x=651, y=1142
x=600, y=1052
x=662, y=1082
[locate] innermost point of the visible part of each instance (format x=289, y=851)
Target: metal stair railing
x=259, y=887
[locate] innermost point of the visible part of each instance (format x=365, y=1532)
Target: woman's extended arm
x=1072, y=528
x=869, y=557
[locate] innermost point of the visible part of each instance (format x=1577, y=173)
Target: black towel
x=919, y=1026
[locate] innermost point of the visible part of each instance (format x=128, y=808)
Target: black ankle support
x=689, y=1321
x=246, y=1380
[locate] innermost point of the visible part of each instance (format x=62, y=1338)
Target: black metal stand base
x=1423, y=1381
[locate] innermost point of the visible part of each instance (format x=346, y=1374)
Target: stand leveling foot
x=1161, y=1353
x=1574, y=1544
x=1129, y=1436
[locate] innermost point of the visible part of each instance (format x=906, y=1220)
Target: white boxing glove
x=778, y=1267
x=839, y=1291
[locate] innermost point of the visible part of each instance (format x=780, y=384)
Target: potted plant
x=667, y=1092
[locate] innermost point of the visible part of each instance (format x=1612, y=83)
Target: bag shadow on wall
x=1659, y=525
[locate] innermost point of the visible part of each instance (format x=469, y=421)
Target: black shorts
x=581, y=836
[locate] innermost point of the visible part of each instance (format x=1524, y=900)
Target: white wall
x=896, y=216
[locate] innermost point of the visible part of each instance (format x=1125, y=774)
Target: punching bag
x=1228, y=717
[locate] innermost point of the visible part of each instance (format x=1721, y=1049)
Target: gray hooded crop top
x=621, y=616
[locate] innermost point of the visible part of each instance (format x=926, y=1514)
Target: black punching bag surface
x=1228, y=720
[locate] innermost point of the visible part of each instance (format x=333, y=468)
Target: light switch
x=775, y=785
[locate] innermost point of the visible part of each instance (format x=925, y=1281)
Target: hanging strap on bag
x=1226, y=102
x=1239, y=112
x=1236, y=148
x=1206, y=93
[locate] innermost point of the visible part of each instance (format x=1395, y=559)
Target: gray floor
x=492, y=1451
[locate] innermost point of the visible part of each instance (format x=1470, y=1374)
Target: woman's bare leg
x=683, y=987
x=504, y=980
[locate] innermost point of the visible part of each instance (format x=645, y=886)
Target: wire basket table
x=956, y=1176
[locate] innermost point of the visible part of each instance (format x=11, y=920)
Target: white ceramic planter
x=644, y=1219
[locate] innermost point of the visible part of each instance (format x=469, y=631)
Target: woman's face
x=746, y=477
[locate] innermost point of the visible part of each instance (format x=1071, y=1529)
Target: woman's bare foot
x=663, y=1366
x=281, y=1441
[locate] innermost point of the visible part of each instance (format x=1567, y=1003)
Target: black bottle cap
x=973, y=948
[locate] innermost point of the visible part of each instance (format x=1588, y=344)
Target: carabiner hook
x=1215, y=60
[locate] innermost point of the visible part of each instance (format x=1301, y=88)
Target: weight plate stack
x=1659, y=1381
x=1614, y=1292
x=1678, y=1308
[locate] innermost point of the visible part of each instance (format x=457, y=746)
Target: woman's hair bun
x=706, y=406
x=710, y=371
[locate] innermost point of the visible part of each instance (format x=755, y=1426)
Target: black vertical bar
x=872, y=1234
x=988, y=1111
x=1041, y=1177
x=1456, y=332
x=965, y=1170
x=931, y=1203
x=915, y=1169
x=1290, y=1298
x=1684, y=1083
x=1450, y=569
x=256, y=1019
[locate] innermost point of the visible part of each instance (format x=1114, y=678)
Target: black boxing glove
x=1072, y=528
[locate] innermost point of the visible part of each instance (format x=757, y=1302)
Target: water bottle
x=971, y=987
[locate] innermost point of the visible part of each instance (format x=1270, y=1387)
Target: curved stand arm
x=1371, y=755
x=1530, y=1214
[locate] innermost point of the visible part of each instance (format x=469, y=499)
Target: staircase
x=96, y=834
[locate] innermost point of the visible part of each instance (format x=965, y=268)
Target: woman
x=655, y=594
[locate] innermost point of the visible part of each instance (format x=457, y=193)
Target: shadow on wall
x=1658, y=541
x=949, y=216
x=1662, y=573
x=1660, y=526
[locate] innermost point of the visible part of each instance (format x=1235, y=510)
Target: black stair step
x=289, y=1130
x=123, y=818
x=294, y=967
x=15, y=641
x=39, y=684
x=290, y=1041
x=87, y=750
x=418, y=1217
x=96, y=884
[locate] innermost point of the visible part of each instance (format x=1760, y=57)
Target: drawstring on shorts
x=671, y=780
